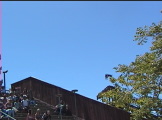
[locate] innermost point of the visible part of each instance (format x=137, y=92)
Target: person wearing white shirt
x=25, y=104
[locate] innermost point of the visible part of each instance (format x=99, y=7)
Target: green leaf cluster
x=138, y=89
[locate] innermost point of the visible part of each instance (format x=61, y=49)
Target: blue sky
x=72, y=44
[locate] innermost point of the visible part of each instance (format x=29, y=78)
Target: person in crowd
x=68, y=111
x=62, y=106
x=14, y=98
x=25, y=96
x=25, y=104
x=3, y=91
x=18, y=105
x=4, y=99
x=9, y=109
x=46, y=115
x=38, y=116
x=17, y=97
x=11, y=97
x=21, y=98
x=2, y=108
x=58, y=110
x=32, y=101
x=63, y=109
x=10, y=91
x=30, y=116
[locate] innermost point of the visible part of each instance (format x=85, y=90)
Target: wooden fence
x=87, y=108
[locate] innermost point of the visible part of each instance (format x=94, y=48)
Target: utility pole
x=4, y=72
x=74, y=91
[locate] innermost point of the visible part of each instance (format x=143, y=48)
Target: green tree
x=138, y=89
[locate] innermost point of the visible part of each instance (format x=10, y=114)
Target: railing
x=51, y=106
x=7, y=115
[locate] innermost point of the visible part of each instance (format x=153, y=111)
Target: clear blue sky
x=72, y=44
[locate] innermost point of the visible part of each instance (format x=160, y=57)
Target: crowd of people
x=13, y=102
x=38, y=116
x=60, y=109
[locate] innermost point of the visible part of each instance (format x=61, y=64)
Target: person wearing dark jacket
x=46, y=115
x=30, y=116
x=38, y=116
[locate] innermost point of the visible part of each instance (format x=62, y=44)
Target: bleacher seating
x=43, y=107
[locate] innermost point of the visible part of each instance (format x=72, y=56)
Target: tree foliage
x=138, y=89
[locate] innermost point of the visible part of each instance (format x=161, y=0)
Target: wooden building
x=87, y=108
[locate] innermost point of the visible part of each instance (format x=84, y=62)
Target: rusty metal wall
x=86, y=108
